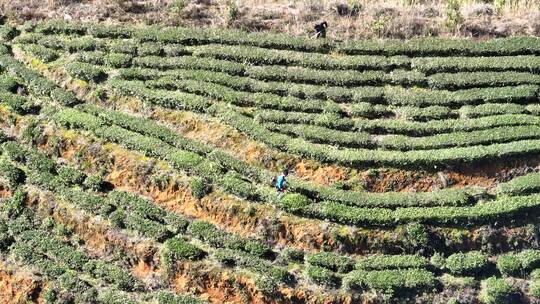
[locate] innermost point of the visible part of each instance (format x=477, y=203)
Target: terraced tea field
x=137, y=164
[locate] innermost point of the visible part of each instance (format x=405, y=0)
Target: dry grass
x=347, y=18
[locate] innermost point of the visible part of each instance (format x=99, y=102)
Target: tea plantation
x=136, y=167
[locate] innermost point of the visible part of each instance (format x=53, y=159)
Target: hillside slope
x=137, y=165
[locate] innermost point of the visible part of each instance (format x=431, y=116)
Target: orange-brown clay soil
x=19, y=286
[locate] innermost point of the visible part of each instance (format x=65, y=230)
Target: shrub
x=390, y=281
x=8, y=83
x=457, y=282
x=331, y=261
x=121, y=46
x=266, y=284
x=376, y=262
x=94, y=182
x=520, y=185
x=14, y=206
x=176, y=223
x=63, y=97
x=322, y=276
x=146, y=227
x=472, y=262
x=114, y=297
x=86, y=72
x=416, y=235
x=508, y=264
x=230, y=257
x=72, y=118
x=164, y=297
x=293, y=202
x=291, y=255
x=496, y=290
x=40, y=162
x=184, y=160
x=40, y=52
x=233, y=183
x=215, y=237
x=12, y=174
x=199, y=187
x=111, y=274
x=534, y=288
x=150, y=49
x=118, y=218
x=70, y=176
x=5, y=237
x=175, y=249
x=117, y=60
x=19, y=104
x=137, y=205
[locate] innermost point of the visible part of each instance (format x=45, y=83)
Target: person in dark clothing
x=321, y=29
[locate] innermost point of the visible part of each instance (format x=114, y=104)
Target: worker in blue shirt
x=281, y=182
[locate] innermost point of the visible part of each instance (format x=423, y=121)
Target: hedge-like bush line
x=175, y=249
x=42, y=53
x=144, y=126
x=331, y=261
x=262, y=56
x=520, y=185
x=231, y=258
x=498, y=290
x=217, y=238
x=396, y=126
x=195, y=36
x=86, y=72
x=18, y=103
x=394, y=95
x=423, y=114
x=414, y=128
x=459, y=139
x=379, y=262
x=339, y=78
x=444, y=47
x=390, y=281
x=501, y=209
x=322, y=276
x=512, y=264
x=323, y=135
x=328, y=120
x=151, y=128
x=164, y=98
x=364, y=157
x=56, y=250
x=223, y=93
x=446, y=197
x=430, y=65
x=421, y=97
x=111, y=274
x=467, y=263
x=464, y=80
x=33, y=80
x=188, y=62
x=491, y=109
x=304, y=91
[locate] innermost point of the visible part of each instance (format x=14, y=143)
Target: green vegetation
x=174, y=209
